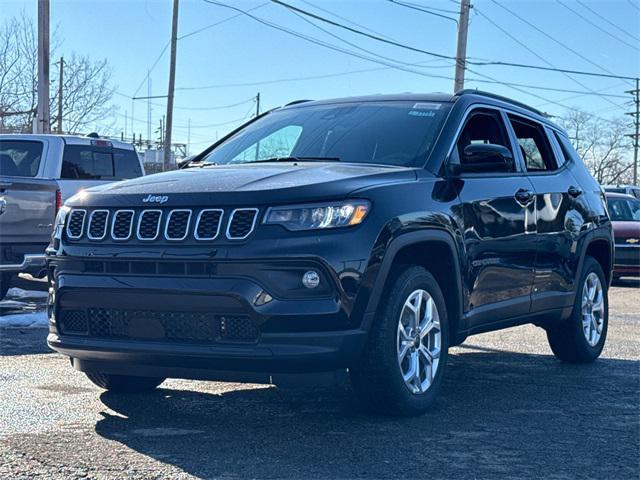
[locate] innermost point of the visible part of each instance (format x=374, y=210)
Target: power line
x=553, y=39
x=533, y=52
x=633, y=5
x=422, y=9
x=595, y=25
x=617, y=27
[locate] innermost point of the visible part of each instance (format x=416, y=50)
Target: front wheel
x=581, y=338
x=124, y=383
x=401, y=369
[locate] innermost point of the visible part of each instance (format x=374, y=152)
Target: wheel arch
x=408, y=249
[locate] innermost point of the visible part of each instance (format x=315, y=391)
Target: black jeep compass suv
x=368, y=234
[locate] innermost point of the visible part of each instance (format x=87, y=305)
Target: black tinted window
x=534, y=145
x=625, y=210
x=88, y=162
x=391, y=132
x=126, y=163
x=20, y=158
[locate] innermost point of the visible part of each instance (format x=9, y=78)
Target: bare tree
x=602, y=145
x=87, y=88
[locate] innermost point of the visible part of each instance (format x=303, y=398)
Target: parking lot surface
x=508, y=409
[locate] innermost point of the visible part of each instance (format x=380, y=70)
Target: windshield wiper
x=297, y=159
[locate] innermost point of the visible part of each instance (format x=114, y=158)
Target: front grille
x=75, y=227
x=241, y=223
x=98, y=224
x=179, y=327
x=121, y=226
x=208, y=224
x=149, y=225
x=177, y=227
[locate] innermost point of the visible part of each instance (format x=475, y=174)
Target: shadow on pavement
x=499, y=415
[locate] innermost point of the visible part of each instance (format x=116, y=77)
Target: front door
x=498, y=226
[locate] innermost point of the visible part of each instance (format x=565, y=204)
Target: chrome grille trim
x=84, y=216
x=115, y=219
x=168, y=222
x=195, y=231
x=106, y=224
x=140, y=217
x=253, y=224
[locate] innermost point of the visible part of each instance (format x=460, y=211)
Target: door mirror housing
x=486, y=157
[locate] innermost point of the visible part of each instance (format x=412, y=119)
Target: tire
x=568, y=340
x=377, y=378
x=5, y=284
x=124, y=383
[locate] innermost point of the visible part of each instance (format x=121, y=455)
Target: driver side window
x=481, y=127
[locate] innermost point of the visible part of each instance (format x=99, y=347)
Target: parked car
x=632, y=190
x=39, y=172
x=625, y=217
x=368, y=234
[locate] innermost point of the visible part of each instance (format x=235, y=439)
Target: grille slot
x=165, y=326
x=208, y=224
x=75, y=227
x=122, y=224
x=177, y=227
x=98, y=224
x=241, y=223
x=149, y=224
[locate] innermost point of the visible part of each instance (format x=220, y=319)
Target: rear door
x=498, y=217
x=27, y=203
x=95, y=163
x=561, y=213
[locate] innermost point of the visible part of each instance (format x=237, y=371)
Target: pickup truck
x=37, y=174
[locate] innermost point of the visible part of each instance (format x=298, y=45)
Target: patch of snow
x=25, y=320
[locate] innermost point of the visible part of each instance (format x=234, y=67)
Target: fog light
x=311, y=279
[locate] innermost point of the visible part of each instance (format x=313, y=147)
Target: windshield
x=624, y=210
x=391, y=132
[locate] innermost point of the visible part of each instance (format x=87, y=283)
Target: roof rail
x=295, y=102
x=471, y=91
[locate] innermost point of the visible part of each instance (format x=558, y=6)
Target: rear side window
x=20, y=158
x=534, y=145
x=87, y=162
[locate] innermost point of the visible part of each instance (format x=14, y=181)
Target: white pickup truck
x=37, y=174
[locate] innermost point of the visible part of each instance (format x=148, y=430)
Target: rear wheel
x=124, y=383
x=401, y=369
x=581, y=338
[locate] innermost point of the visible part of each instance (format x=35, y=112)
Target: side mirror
x=486, y=157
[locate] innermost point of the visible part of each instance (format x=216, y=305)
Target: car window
x=127, y=164
x=278, y=144
x=534, y=145
x=624, y=210
x=482, y=126
x=20, y=158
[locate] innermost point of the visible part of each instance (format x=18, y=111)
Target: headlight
x=312, y=217
x=58, y=225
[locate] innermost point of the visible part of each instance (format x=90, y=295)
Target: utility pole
x=42, y=115
x=60, y=95
x=188, y=136
x=461, y=53
x=258, y=104
x=636, y=123
x=172, y=83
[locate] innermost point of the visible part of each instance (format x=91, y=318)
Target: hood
x=626, y=229
x=249, y=184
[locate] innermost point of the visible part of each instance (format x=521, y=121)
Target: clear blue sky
x=132, y=34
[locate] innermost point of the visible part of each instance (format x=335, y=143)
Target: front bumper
x=627, y=260
x=30, y=263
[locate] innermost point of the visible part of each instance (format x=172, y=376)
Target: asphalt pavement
x=508, y=410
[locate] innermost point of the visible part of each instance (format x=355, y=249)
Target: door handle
x=575, y=192
x=524, y=197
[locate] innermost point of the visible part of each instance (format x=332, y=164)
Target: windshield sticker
x=417, y=113
x=426, y=106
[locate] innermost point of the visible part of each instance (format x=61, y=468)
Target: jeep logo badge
x=155, y=199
